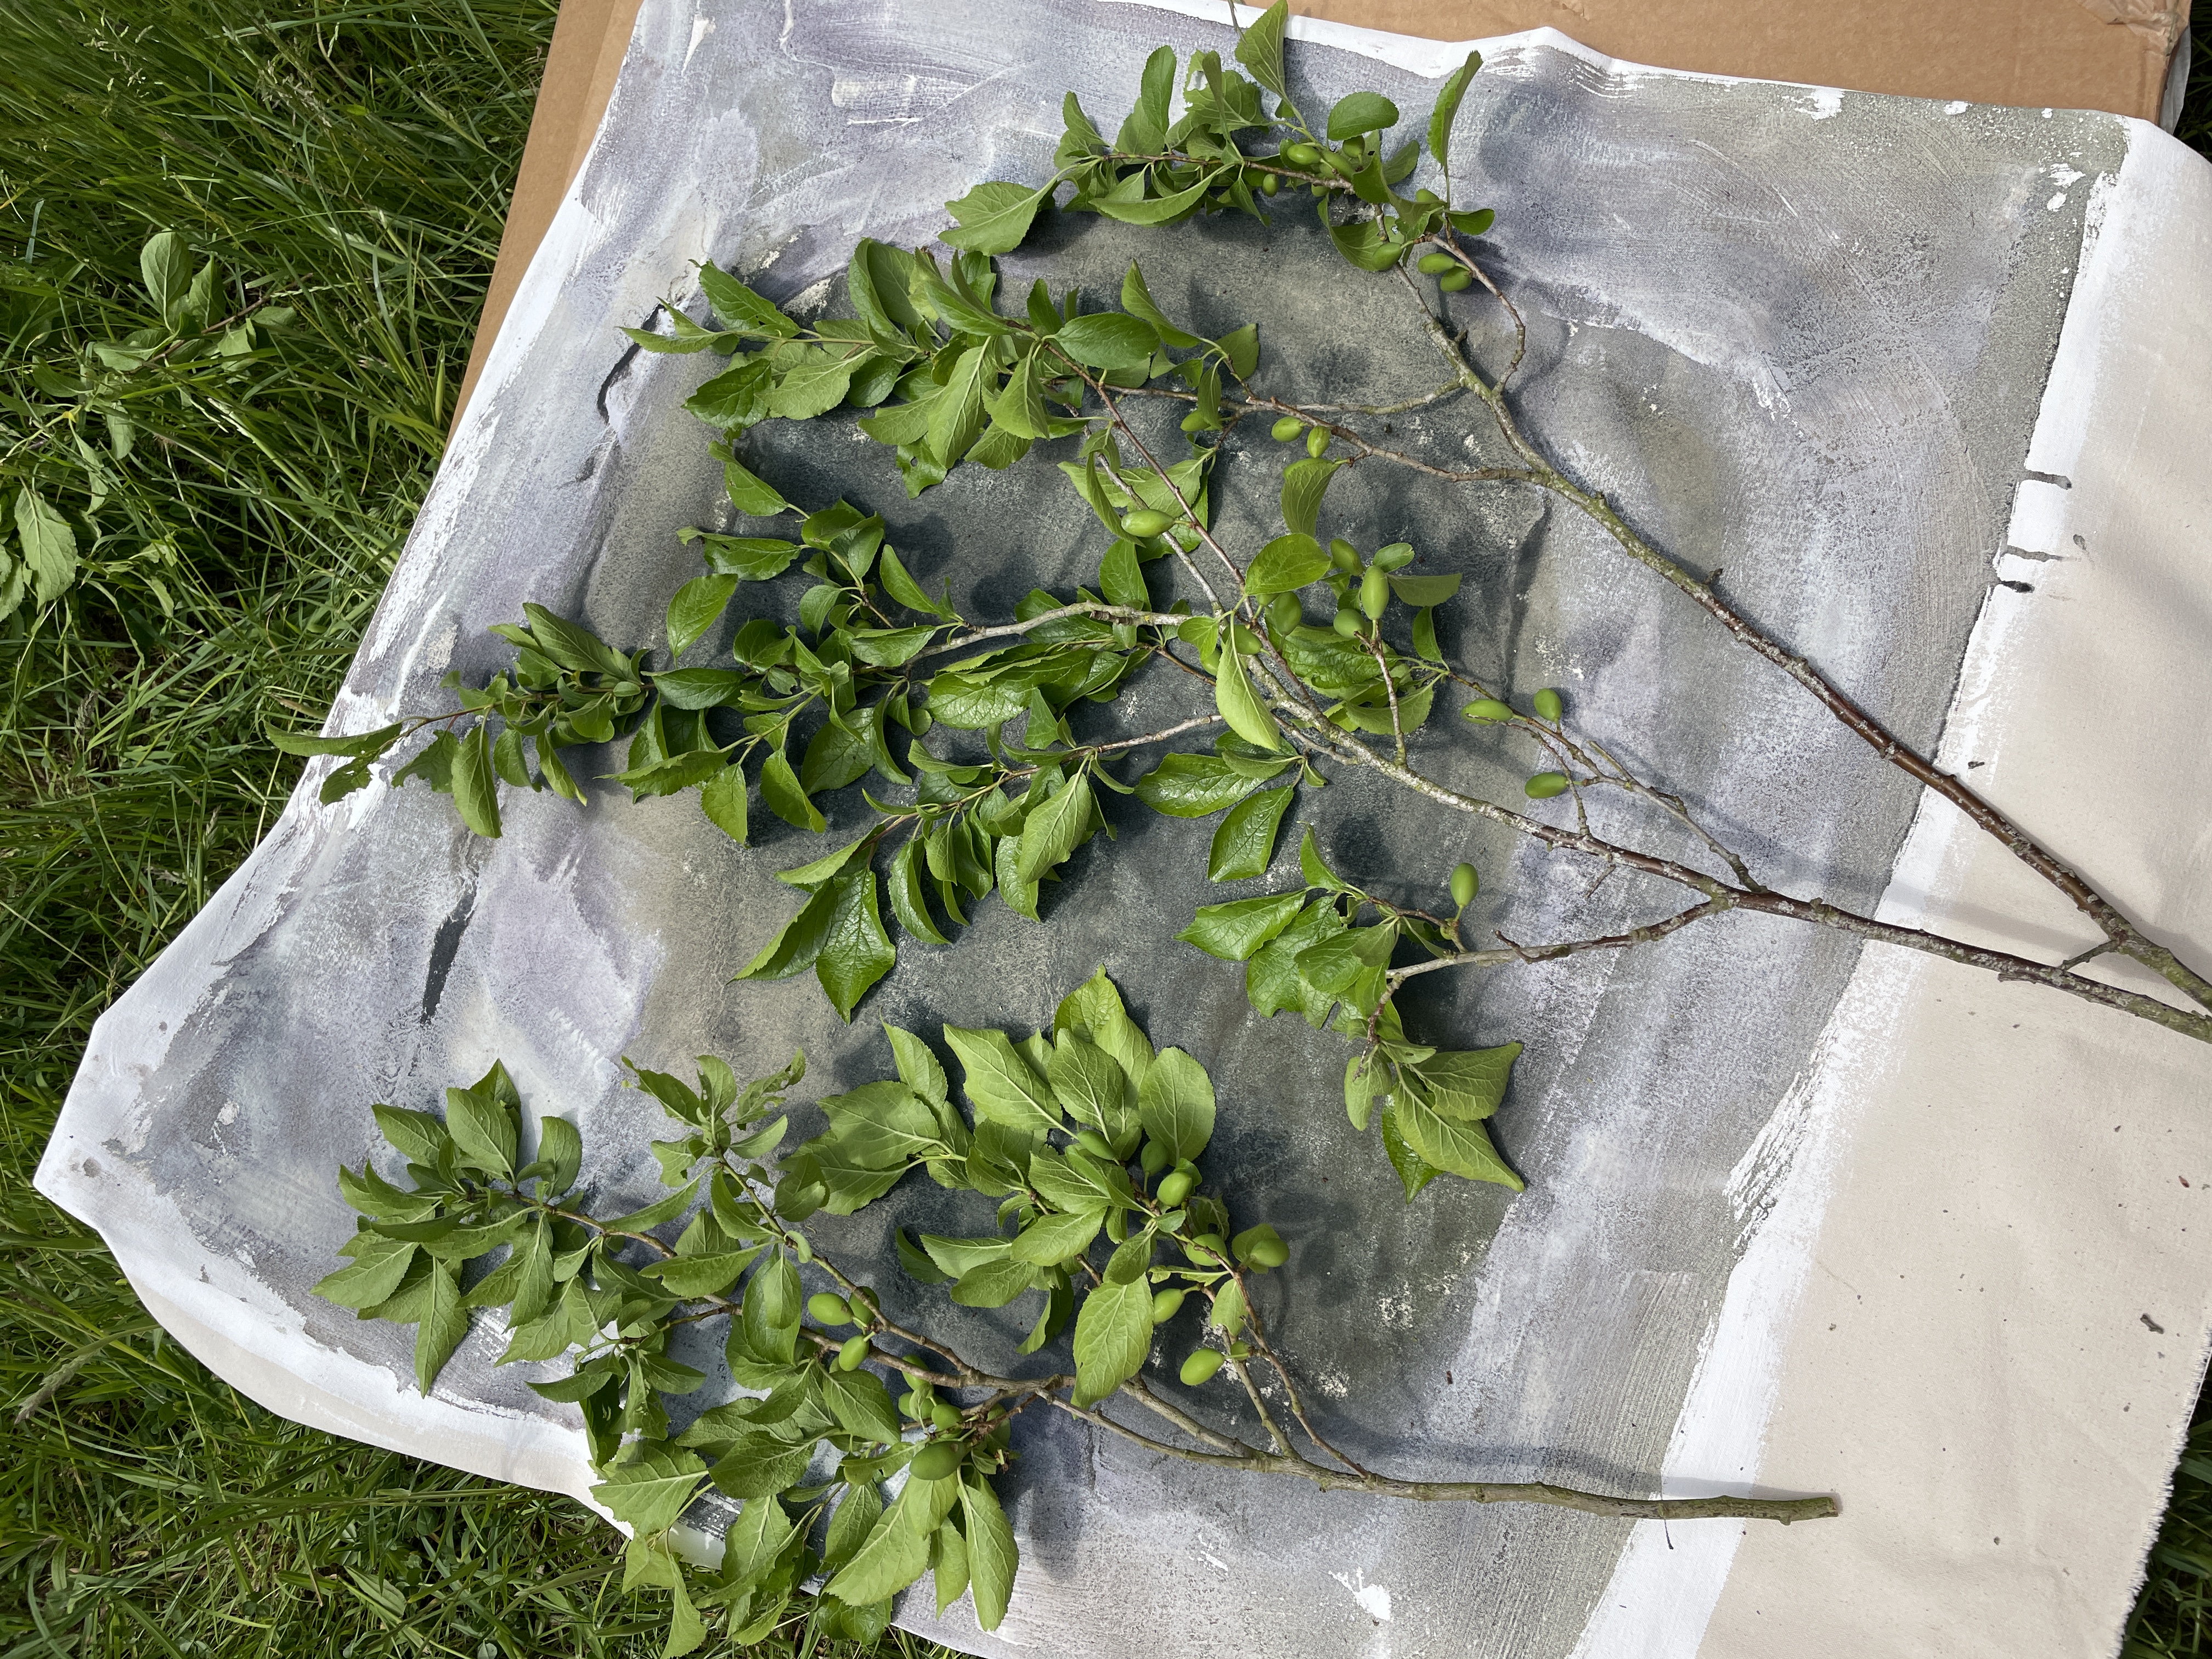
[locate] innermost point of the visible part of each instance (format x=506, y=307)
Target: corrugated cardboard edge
x=2120, y=63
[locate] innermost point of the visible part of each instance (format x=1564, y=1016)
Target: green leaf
x=687, y=1630
x=856, y=953
x=1447, y=110
x=835, y=757
x=736, y=397
x=749, y=492
x=649, y=1493
x=561, y=1146
x=993, y=1558
x=1095, y=1006
x=48, y=543
x=756, y=1539
x=994, y=217
x=859, y=1404
x=1154, y=209
x=475, y=788
x=993, y=1283
x=795, y=949
x=948, y=1550
x=756, y=1469
x=745, y=311
x=443, y=1324
x=750, y=558
x=1234, y=931
x=1137, y=301
x=1176, y=1102
x=1333, y=965
x=1286, y=563
x=417, y=1136
x=892, y=1556
x=1244, y=844
x=1468, y=1085
x=781, y=792
x=701, y=1275
x=956, y=417
x=1090, y=1083
x=1239, y=704
x=1424, y=635
x=1463, y=1148
x=695, y=609
x=917, y=1067
x=1054, y=829
x=902, y=586
x=371, y=1277
x=1363, y=1078
x=1261, y=48
x=482, y=1121
x=1358, y=112
x=813, y=384
x=909, y=903
x=1303, y=485
x=1000, y=1084
x=1113, y=1335
x=723, y=800
x=1145, y=132
x=1422, y=591
x=1194, y=786
x=658, y=1213
x=1106, y=340
x=1055, y=1238
x=1241, y=348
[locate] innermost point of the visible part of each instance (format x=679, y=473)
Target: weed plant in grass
x=349, y=165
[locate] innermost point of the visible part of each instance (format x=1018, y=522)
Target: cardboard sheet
x=1925, y=380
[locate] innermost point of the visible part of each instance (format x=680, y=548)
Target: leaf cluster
x=1085, y=1137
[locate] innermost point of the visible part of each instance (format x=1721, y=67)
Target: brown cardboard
x=2065, y=54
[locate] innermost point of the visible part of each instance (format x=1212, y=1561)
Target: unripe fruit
x=1165, y=1303
x=1210, y=1241
x=1200, y=1366
x=853, y=1354
x=1270, y=183
x=830, y=1308
x=864, y=1305
x=1464, y=884
x=1545, y=785
x=1175, y=1187
x=1284, y=612
x=1343, y=555
x=1346, y=622
x=1374, y=592
x=1433, y=264
x=1286, y=429
x=1145, y=522
x=1268, y=1253
x=1094, y=1143
x=1301, y=156
x=913, y=1406
x=1488, y=708
x=1548, y=704
x=1317, y=442
x=1454, y=281
x=936, y=1460
x=945, y=1415
x=1155, y=1158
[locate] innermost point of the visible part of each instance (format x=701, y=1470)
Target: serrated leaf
x=749, y=492
x=1447, y=110
x=1175, y=1102
x=1195, y=786
x=49, y=544
x=993, y=1283
x=1468, y=1085
x=649, y=1493
x=1113, y=1335
x=1106, y=340
x=483, y=1122
x=1462, y=1148
x=1240, y=705
x=1244, y=845
x=1052, y=1239
x=857, y=1399
x=1137, y=301
x=1054, y=829
x=1304, y=483
x=994, y=217
x=1261, y=47
x=856, y=952
x=1234, y=931
x=745, y=311
x=475, y=788
x=1000, y=1084
x=372, y=1276
x=781, y=792
x=697, y=604
x=893, y=1556
x=1285, y=563
x=444, y=1322
x=722, y=799
x=993, y=1558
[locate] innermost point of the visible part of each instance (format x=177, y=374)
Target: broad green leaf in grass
x=166, y=265
x=650, y=1491
x=1244, y=844
x=49, y=545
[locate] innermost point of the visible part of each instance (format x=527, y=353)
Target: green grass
x=348, y=164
